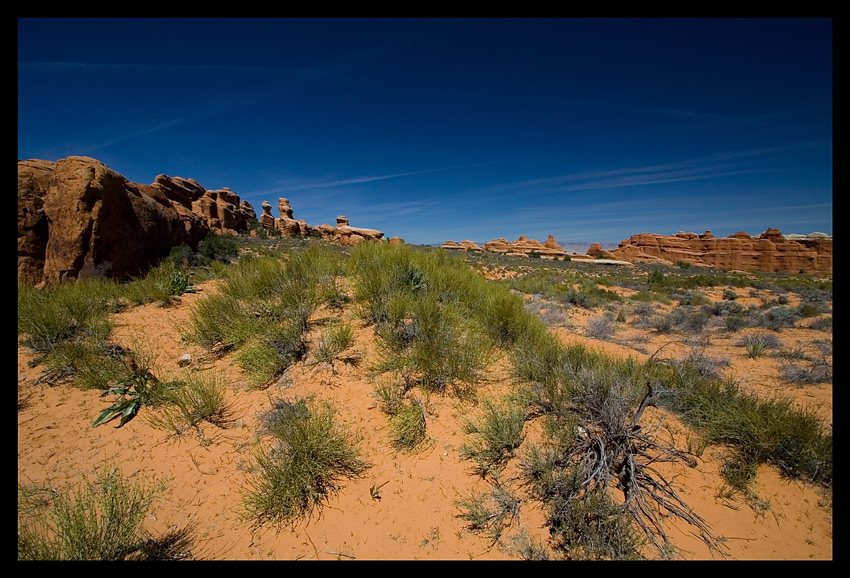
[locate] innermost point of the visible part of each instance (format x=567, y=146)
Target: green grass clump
x=489, y=513
x=262, y=309
x=188, y=401
x=757, y=344
x=334, y=339
x=408, y=427
x=495, y=436
x=310, y=457
x=71, y=311
x=102, y=520
x=770, y=431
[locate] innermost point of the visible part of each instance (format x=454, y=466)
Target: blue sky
x=453, y=129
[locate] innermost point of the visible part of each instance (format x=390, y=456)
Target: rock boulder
x=77, y=218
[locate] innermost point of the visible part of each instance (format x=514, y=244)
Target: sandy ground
x=414, y=515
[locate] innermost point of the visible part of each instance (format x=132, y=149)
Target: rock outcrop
x=771, y=251
x=342, y=233
x=525, y=247
x=462, y=246
x=77, y=217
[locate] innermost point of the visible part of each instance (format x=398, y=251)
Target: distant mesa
x=79, y=218
x=771, y=251
x=522, y=247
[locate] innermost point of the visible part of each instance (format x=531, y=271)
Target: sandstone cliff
x=77, y=217
x=770, y=251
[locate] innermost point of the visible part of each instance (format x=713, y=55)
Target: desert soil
x=413, y=515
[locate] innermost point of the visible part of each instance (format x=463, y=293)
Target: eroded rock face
x=33, y=179
x=770, y=251
x=77, y=217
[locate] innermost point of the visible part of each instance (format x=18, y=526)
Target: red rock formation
x=343, y=233
x=771, y=251
x=462, y=246
x=524, y=247
x=77, y=217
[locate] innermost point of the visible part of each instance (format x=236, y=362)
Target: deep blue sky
x=443, y=129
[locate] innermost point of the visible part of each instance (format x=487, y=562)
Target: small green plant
x=180, y=282
x=758, y=344
x=408, y=427
x=656, y=278
x=219, y=247
x=139, y=388
x=495, y=436
x=490, y=513
x=188, y=401
x=334, y=340
x=729, y=295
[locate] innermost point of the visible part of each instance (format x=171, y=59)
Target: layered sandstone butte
x=771, y=251
x=77, y=217
x=462, y=246
x=524, y=247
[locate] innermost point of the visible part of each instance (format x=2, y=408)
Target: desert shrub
x=432, y=313
x=819, y=371
x=655, y=278
x=495, y=435
x=434, y=345
x=757, y=344
x=263, y=309
x=526, y=546
x=190, y=400
x=555, y=317
x=489, y=513
x=101, y=520
x=811, y=310
x=778, y=318
x=814, y=295
x=692, y=298
x=600, y=328
x=268, y=354
x=408, y=427
x=646, y=296
x=822, y=324
x=763, y=431
x=737, y=321
x=690, y=319
x=334, y=339
x=729, y=295
x=219, y=247
x=310, y=457
x=724, y=308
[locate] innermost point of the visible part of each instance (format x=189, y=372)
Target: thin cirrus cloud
x=720, y=165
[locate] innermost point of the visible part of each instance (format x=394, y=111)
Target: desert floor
x=411, y=512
